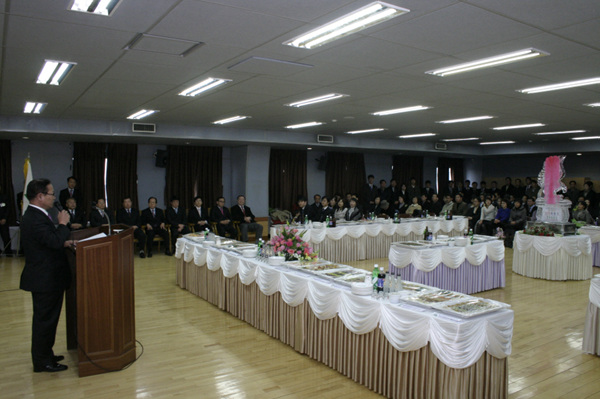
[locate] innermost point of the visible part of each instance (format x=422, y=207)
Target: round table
x=594, y=233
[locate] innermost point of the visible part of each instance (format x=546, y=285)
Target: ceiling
x=380, y=68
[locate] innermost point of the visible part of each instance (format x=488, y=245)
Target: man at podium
x=46, y=274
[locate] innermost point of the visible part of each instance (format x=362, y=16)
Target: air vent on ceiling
x=324, y=138
x=441, y=146
x=143, y=127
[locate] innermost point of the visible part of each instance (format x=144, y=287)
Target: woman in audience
x=340, y=210
x=376, y=206
x=581, y=214
x=403, y=192
x=402, y=206
x=353, y=212
x=415, y=207
x=474, y=213
x=486, y=222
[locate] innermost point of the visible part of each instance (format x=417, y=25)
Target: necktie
x=153, y=212
x=70, y=192
x=175, y=211
x=243, y=211
x=72, y=213
x=101, y=213
x=221, y=209
x=129, y=211
x=199, y=212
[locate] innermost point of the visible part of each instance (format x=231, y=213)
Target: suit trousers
x=150, y=238
x=46, y=312
x=139, y=235
x=224, y=229
x=175, y=234
x=246, y=227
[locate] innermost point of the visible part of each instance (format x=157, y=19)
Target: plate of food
x=472, y=307
x=436, y=297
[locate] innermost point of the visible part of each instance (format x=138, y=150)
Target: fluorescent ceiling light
x=465, y=139
x=412, y=136
x=560, y=132
x=100, y=7
x=206, y=84
x=496, y=142
x=54, y=72
x=488, y=62
x=314, y=100
x=34, y=108
x=593, y=105
x=560, y=86
x=470, y=119
x=366, y=131
x=142, y=114
x=518, y=126
x=229, y=120
x=301, y=125
x=400, y=110
x=363, y=18
x=586, y=138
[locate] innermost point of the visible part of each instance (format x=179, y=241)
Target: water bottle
x=471, y=236
x=306, y=220
x=396, y=216
x=374, y=277
x=387, y=285
x=380, y=280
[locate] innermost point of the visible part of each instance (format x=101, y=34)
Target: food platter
x=472, y=307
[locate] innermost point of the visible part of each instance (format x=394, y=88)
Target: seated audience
x=325, y=211
x=221, y=216
x=100, y=215
x=428, y=190
x=375, y=207
x=305, y=211
x=316, y=206
x=516, y=221
x=414, y=207
x=425, y=203
x=486, y=222
x=354, y=213
x=502, y=216
x=154, y=220
x=243, y=214
x=581, y=214
x=448, y=205
x=531, y=210
x=198, y=216
x=131, y=217
x=340, y=210
x=177, y=218
x=402, y=206
x=474, y=214
x=77, y=216
x=386, y=210
x=460, y=207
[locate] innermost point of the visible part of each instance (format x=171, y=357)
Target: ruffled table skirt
x=369, y=359
x=467, y=278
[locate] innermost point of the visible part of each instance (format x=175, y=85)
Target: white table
x=594, y=233
x=470, y=269
x=591, y=332
x=370, y=240
x=553, y=258
x=395, y=350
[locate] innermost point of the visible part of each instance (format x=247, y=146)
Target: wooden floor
x=194, y=350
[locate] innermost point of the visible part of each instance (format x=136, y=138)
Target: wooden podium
x=100, y=305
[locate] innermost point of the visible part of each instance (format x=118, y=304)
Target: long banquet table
x=470, y=269
x=591, y=332
x=594, y=233
x=370, y=240
x=399, y=351
x=553, y=258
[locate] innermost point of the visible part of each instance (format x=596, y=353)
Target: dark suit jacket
x=194, y=217
x=307, y=211
x=238, y=216
x=97, y=220
x=46, y=267
x=392, y=195
x=356, y=215
x=130, y=220
x=175, y=219
x=436, y=207
x=369, y=194
x=64, y=195
x=428, y=192
x=217, y=216
x=154, y=221
x=326, y=212
x=78, y=218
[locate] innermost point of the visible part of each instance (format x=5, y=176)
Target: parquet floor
x=194, y=350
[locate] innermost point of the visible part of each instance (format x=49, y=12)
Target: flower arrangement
x=539, y=231
x=289, y=244
x=500, y=233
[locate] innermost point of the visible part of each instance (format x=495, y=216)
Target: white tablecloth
x=594, y=233
x=370, y=240
x=458, y=343
x=553, y=258
x=591, y=332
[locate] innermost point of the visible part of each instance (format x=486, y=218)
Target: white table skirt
x=594, y=233
x=553, y=258
x=591, y=332
x=347, y=243
x=458, y=343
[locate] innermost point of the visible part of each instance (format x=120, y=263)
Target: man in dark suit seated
x=220, y=215
x=316, y=207
x=76, y=216
x=130, y=216
x=177, y=218
x=100, y=215
x=435, y=207
x=242, y=213
x=326, y=210
x=304, y=211
x=198, y=216
x=70, y=192
x=154, y=220
x=46, y=273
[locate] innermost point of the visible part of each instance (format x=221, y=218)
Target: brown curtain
x=121, y=176
x=287, y=177
x=88, y=168
x=345, y=173
x=406, y=167
x=6, y=185
x=192, y=171
x=457, y=171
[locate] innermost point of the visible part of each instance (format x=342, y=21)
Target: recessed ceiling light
x=142, y=114
x=518, y=126
x=465, y=139
x=315, y=100
x=578, y=154
x=205, y=85
x=229, y=120
x=593, y=105
x=560, y=132
x=54, y=72
x=363, y=18
x=400, y=110
x=496, y=142
x=412, y=136
x=469, y=119
x=366, y=131
x=586, y=138
x=34, y=108
x=301, y=125
x=309, y=148
x=561, y=86
x=25, y=138
x=100, y=7
x=488, y=62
